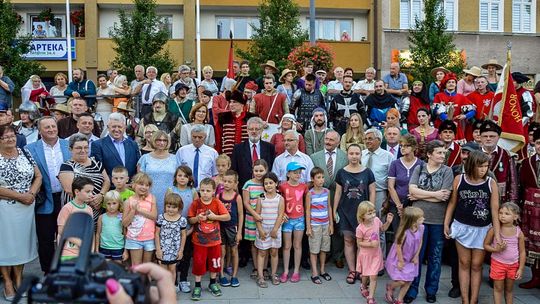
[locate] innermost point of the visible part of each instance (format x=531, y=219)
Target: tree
x=278, y=34
x=12, y=48
x=431, y=45
x=140, y=39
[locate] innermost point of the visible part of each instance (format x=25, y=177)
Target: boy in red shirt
x=205, y=214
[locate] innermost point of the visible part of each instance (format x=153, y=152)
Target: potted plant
x=77, y=19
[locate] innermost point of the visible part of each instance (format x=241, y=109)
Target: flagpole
x=68, y=42
x=506, y=78
x=198, y=40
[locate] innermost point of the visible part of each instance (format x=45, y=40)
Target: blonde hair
x=35, y=77
x=159, y=134
x=142, y=178
x=207, y=68
x=224, y=157
x=408, y=220
x=163, y=76
x=363, y=208
x=514, y=208
x=175, y=200
x=113, y=195
x=349, y=135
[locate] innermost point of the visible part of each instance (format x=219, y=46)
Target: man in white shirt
x=292, y=154
x=366, y=86
x=150, y=87
x=85, y=124
x=335, y=86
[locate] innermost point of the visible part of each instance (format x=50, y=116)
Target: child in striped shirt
x=319, y=225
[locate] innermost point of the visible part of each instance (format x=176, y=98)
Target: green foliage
x=320, y=54
x=431, y=45
x=279, y=33
x=140, y=39
x=12, y=48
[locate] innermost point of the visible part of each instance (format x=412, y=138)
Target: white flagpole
x=198, y=25
x=68, y=41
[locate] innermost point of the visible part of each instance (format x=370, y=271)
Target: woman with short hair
x=198, y=116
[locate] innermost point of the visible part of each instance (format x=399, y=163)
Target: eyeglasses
x=85, y=148
x=8, y=137
x=161, y=140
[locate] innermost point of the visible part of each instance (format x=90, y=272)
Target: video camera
x=82, y=279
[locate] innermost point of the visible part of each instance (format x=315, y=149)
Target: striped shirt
x=319, y=207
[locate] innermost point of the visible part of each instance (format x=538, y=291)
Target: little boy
x=120, y=179
x=319, y=225
x=231, y=231
x=205, y=214
x=82, y=188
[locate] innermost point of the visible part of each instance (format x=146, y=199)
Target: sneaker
x=235, y=282
x=223, y=281
x=196, y=294
x=185, y=286
x=214, y=290
x=177, y=288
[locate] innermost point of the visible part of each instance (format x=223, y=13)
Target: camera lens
x=103, y=275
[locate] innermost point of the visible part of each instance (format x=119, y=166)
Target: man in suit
x=392, y=136
x=49, y=153
x=331, y=160
x=116, y=149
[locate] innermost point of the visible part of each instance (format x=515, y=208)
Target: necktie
x=254, y=155
x=147, y=94
x=393, y=151
x=330, y=165
x=370, y=156
x=196, y=168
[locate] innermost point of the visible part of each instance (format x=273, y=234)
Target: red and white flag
x=230, y=70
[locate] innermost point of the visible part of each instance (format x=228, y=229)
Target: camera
x=82, y=279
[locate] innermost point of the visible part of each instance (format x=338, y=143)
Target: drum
x=269, y=131
x=531, y=223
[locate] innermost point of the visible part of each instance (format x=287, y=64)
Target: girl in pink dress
x=402, y=260
x=370, y=257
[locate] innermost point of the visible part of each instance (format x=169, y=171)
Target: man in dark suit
x=391, y=142
x=116, y=149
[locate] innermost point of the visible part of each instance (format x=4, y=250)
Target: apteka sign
x=50, y=49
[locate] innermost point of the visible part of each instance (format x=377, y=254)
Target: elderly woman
x=20, y=180
x=149, y=131
x=82, y=165
x=120, y=87
x=160, y=165
x=354, y=133
x=60, y=81
x=209, y=83
x=185, y=79
x=198, y=116
x=288, y=122
x=35, y=91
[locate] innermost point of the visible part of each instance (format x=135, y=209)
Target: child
x=370, y=258
x=271, y=207
x=183, y=186
x=140, y=213
x=294, y=193
x=110, y=234
x=402, y=260
x=251, y=192
x=82, y=188
x=231, y=231
x=170, y=235
x=319, y=224
x=205, y=214
x=223, y=163
x=508, y=257
x=120, y=179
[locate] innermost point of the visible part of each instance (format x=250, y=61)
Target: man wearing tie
x=150, y=87
x=391, y=142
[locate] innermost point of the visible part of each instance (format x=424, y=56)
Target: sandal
x=364, y=290
x=351, y=277
x=389, y=295
x=316, y=280
x=326, y=276
x=275, y=279
x=262, y=283
x=266, y=274
x=371, y=301
x=295, y=278
x=284, y=277
x=254, y=274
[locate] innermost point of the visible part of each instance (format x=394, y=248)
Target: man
x=6, y=118
x=321, y=81
x=314, y=137
x=185, y=79
x=392, y=136
x=49, y=153
x=501, y=163
x=269, y=68
x=85, y=125
x=68, y=126
x=292, y=154
x=150, y=87
x=243, y=77
x=396, y=83
x=250, y=90
x=115, y=149
x=6, y=89
x=139, y=77
x=80, y=88
x=528, y=149
x=482, y=98
x=29, y=114
x=366, y=86
x=305, y=101
x=198, y=156
x=269, y=104
x=165, y=120
x=344, y=104
x=447, y=134
x=331, y=160
x=181, y=104
x=526, y=99
x=378, y=104
x=236, y=69
x=335, y=86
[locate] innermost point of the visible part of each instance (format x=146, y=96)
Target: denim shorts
x=145, y=245
x=112, y=254
x=297, y=224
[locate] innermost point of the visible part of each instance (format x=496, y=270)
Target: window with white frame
x=523, y=16
x=491, y=16
x=411, y=9
x=451, y=12
x=167, y=24
x=240, y=27
x=47, y=28
x=333, y=29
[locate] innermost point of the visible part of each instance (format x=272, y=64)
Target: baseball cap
x=293, y=166
x=471, y=146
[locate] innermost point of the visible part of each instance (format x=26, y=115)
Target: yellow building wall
x=394, y=14
x=468, y=15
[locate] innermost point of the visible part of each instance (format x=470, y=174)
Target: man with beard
x=269, y=104
x=314, y=137
x=80, y=87
x=482, y=98
x=378, y=104
x=68, y=126
x=344, y=104
x=447, y=134
x=305, y=101
x=163, y=119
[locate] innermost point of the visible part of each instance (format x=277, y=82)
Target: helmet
x=29, y=107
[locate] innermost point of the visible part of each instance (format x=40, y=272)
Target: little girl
x=183, y=186
x=507, y=258
x=271, y=207
x=139, y=219
x=171, y=234
x=370, y=258
x=252, y=191
x=110, y=240
x=402, y=260
x=223, y=163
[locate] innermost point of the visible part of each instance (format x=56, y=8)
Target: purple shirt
x=402, y=176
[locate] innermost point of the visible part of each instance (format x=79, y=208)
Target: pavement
x=336, y=291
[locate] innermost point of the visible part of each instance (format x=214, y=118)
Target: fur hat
x=490, y=125
x=236, y=96
x=448, y=125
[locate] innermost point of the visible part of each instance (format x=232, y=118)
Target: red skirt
x=531, y=223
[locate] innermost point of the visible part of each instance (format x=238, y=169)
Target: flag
x=507, y=111
x=230, y=71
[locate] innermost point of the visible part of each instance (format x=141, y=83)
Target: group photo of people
x=287, y=173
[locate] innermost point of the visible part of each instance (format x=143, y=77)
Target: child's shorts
x=319, y=239
x=500, y=271
x=145, y=245
x=206, y=259
x=228, y=236
x=112, y=254
x=297, y=224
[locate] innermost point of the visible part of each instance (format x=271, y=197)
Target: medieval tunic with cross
x=343, y=105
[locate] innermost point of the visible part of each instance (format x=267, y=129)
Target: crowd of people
x=373, y=175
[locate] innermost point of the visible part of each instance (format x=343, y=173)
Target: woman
x=184, y=73
x=209, y=83
x=120, y=87
x=82, y=165
x=493, y=79
x=393, y=118
x=167, y=81
x=288, y=122
x=60, y=81
x=465, y=85
x=29, y=114
x=198, y=116
x=437, y=73
x=354, y=133
x=20, y=181
x=287, y=86
x=160, y=165
x=104, y=104
x=354, y=184
x=35, y=91
x=232, y=125
x=399, y=176
x=429, y=189
x=419, y=99
x=424, y=133
x=149, y=131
